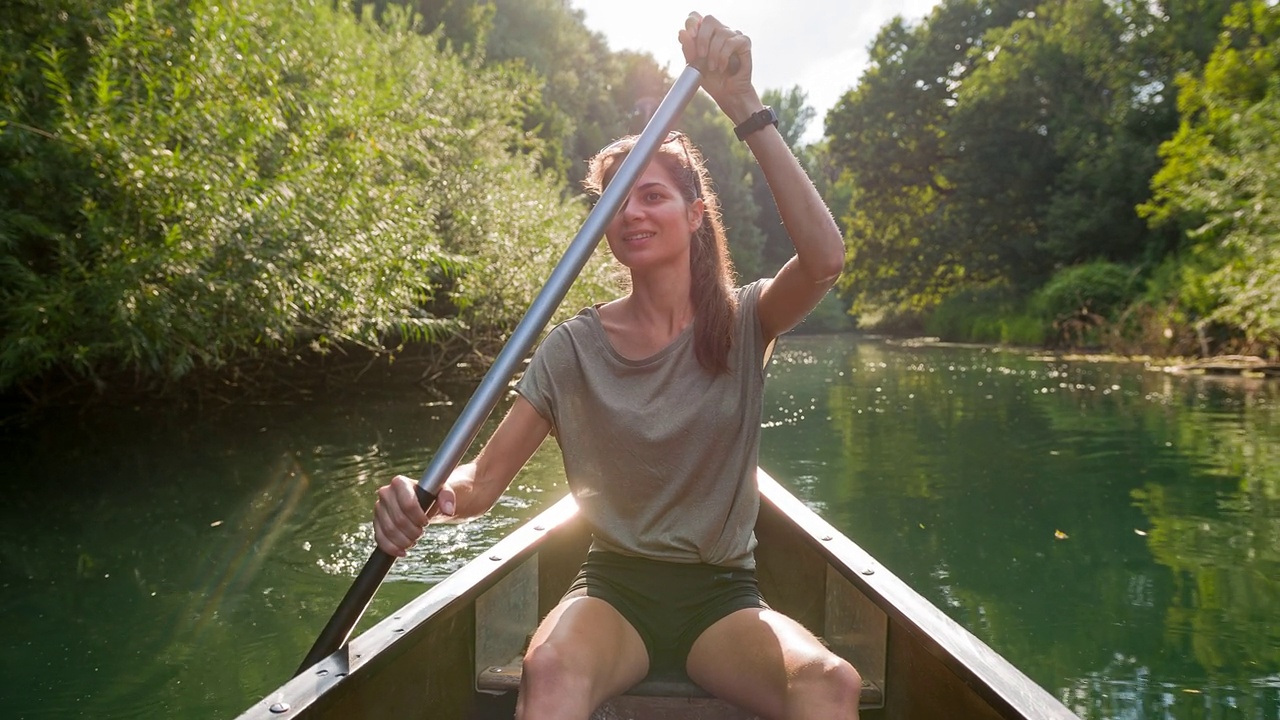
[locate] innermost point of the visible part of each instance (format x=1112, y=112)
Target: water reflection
x=1111, y=529
x=181, y=565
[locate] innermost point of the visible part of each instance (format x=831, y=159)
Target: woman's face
x=655, y=224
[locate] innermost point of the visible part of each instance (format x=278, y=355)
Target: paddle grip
x=426, y=498
x=734, y=65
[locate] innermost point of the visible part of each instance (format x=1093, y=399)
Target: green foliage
x=999, y=140
x=1089, y=305
x=990, y=314
x=1098, y=288
x=1220, y=176
x=1059, y=125
x=589, y=94
x=1179, y=281
x=891, y=141
x=73, y=26
x=249, y=178
x=462, y=26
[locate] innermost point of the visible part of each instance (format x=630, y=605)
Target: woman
x=655, y=399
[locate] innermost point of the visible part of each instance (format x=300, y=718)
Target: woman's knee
x=828, y=680
x=548, y=667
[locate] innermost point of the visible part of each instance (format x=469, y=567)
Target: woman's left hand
x=709, y=45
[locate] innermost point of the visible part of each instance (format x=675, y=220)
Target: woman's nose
x=631, y=210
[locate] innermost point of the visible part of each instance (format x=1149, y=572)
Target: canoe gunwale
x=461, y=587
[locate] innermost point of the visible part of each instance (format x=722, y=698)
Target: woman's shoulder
x=749, y=294
x=585, y=320
x=573, y=329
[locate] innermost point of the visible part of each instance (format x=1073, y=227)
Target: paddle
x=495, y=381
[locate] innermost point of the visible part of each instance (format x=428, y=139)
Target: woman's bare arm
x=471, y=489
x=819, y=258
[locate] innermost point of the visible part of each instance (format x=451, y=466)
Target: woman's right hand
x=398, y=519
x=712, y=46
x=471, y=489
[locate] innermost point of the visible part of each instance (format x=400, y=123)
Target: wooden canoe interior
x=428, y=660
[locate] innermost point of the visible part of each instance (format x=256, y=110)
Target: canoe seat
x=506, y=678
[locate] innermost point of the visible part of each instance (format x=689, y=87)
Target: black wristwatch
x=756, y=122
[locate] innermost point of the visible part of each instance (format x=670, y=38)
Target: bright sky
x=820, y=45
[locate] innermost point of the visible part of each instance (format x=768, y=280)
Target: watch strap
x=756, y=122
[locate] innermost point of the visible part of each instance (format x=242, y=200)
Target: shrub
x=1098, y=288
x=987, y=314
x=250, y=177
x=1081, y=302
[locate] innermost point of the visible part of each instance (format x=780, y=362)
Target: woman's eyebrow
x=652, y=183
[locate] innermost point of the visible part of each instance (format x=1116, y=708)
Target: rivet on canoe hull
x=826, y=538
x=495, y=558
x=280, y=707
x=869, y=571
x=539, y=527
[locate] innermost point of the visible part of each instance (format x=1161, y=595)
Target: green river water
x=1111, y=529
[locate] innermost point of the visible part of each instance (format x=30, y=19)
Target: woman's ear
x=696, y=210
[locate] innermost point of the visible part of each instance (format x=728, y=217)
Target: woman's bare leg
x=769, y=664
x=582, y=654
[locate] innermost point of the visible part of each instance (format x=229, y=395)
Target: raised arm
x=471, y=489
x=819, y=256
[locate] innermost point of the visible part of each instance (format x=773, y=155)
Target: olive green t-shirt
x=660, y=453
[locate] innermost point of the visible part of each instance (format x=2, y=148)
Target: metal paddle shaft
x=494, y=384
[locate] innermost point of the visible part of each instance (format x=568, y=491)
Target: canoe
x=454, y=652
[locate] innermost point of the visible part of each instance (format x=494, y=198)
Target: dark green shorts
x=669, y=604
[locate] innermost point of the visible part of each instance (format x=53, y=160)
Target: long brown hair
x=710, y=267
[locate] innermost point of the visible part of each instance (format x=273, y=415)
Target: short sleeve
x=538, y=384
x=749, y=331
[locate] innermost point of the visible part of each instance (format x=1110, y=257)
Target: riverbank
x=437, y=370
x=1242, y=366
x=434, y=370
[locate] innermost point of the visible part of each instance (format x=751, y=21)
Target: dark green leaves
x=231, y=181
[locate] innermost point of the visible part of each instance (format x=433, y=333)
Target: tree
x=891, y=135
x=1080, y=95
x=1220, y=176
x=1001, y=141
x=581, y=108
